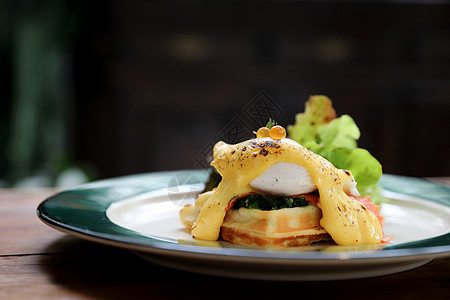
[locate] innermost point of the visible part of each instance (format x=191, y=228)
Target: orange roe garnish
x=277, y=132
x=263, y=132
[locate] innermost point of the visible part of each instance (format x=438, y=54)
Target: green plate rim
x=81, y=211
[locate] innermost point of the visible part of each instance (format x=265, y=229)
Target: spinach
x=269, y=203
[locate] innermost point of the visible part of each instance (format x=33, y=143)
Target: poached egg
x=286, y=179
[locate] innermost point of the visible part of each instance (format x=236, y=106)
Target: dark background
x=147, y=86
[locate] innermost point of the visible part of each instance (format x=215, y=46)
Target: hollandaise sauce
x=347, y=220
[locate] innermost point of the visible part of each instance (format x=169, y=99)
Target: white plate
x=156, y=215
x=140, y=213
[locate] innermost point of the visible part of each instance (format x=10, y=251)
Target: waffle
x=288, y=227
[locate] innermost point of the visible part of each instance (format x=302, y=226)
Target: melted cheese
x=344, y=218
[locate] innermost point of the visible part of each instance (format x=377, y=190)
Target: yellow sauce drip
x=344, y=218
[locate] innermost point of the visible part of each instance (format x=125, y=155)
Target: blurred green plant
x=38, y=35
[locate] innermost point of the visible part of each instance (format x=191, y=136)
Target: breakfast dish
x=142, y=212
x=275, y=192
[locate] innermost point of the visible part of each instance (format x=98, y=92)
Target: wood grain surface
x=38, y=262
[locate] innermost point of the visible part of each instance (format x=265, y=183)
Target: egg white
x=284, y=179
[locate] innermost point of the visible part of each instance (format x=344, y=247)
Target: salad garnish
x=335, y=138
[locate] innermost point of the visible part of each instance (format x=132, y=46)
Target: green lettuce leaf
x=339, y=133
x=365, y=168
x=335, y=139
x=318, y=111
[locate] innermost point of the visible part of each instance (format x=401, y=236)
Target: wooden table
x=38, y=262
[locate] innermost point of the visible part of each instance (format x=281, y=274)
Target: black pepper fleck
x=263, y=152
